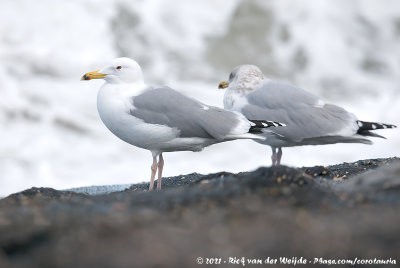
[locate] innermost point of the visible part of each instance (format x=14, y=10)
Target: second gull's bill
x=309, y=120
x=161, y=119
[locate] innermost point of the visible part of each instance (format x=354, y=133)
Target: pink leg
x=274, y=157
x=279, y=156
x=153, y=172
x=160, y=169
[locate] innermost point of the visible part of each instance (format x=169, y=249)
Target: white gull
x=309, y=120
x=161, y=119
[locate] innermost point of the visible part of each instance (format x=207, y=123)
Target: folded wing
x=305, y=115
x=165, y=106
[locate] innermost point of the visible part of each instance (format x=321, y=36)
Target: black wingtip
x=364, y=128
x=261, y=124
x=371, y=134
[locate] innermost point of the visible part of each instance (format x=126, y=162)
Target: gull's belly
x=115, y=115
x=136, y=132
x=114, y=112
x=150, y=136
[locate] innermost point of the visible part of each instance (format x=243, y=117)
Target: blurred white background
x=345, y=51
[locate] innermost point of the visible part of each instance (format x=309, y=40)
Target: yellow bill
x=223, y=85
x=93, y=75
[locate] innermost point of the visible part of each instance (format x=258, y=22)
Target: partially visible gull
x=309, y=120
x=161, y=119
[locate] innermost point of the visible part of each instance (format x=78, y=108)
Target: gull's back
x=309, y=120
x=165, y=106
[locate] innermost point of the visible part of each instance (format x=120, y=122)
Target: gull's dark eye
x=118, y=67
x=231, y=76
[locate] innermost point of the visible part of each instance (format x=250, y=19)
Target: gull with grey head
x=309, y=120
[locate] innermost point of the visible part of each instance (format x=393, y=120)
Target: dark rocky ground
x=342, y=211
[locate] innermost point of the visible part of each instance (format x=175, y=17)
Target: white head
x=120, y=70
x=243, y=78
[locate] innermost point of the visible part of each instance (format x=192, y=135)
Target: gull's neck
x=113, y=98
x=238, y=89
x=124, y=89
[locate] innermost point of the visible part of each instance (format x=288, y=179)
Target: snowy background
x=348, y=52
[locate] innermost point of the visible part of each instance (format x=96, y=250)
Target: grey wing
x=165, y=106
x=304, y=114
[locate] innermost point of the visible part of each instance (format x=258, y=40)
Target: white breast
x=113, y=108
x=234, y=101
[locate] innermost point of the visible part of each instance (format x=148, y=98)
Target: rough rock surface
x=342, y=211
